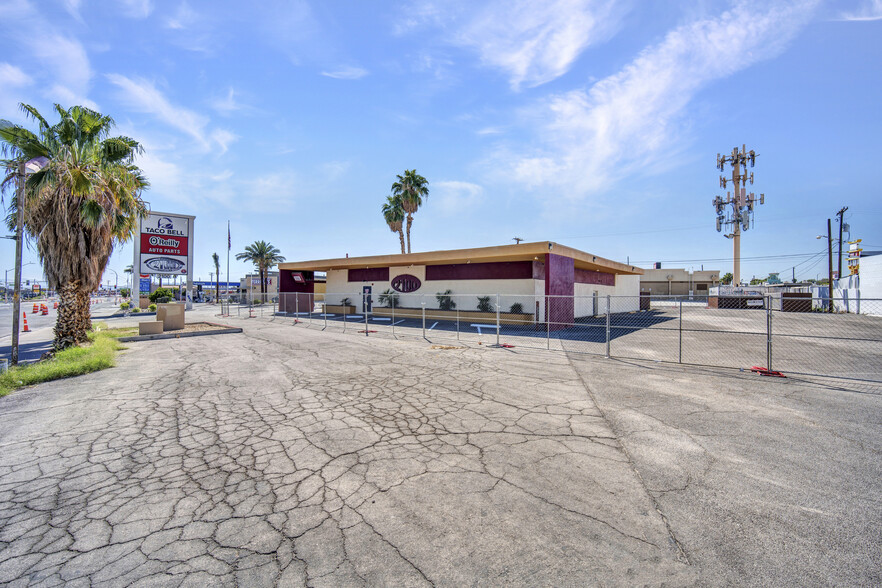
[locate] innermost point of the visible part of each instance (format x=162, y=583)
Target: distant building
x=250, y=285
x=678, y=282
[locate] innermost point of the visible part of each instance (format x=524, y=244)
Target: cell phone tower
x=737, y=208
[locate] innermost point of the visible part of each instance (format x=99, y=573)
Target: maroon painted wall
x=559, y=281
x=505, y=270
x=372, y=274
x=583, y=276
x=293, y=296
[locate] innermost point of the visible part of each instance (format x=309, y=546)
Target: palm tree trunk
x=401, y=237
x=409, y=221
x=69, y=329
x=86, y=308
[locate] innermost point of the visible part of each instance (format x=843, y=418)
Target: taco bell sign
x=164, y=246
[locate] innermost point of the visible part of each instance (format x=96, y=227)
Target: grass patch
x=96, y=355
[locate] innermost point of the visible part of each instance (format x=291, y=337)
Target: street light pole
x=830, y=265
x=16, y=294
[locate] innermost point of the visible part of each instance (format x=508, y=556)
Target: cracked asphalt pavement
x=286, y=456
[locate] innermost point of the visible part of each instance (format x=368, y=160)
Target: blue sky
x=592, y=123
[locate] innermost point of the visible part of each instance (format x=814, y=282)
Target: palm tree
x=216, y=260
x=393, y=214
x=130, y=270
x=264, y=257
x=411, y=188
x=79, y=206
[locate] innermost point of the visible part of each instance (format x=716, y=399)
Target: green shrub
x=136, y=310
x=445, y=300
x=124, y=306
x=165, y=293
x=388, y=297
x=484, y=304
x=151, y=308
x=516, y=308
x=346, y=302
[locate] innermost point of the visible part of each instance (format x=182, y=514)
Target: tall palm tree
x=130, y=270
x=79, y=206
x=264, y=257
x=411, y=188
x=393, y=214
x=216, y=260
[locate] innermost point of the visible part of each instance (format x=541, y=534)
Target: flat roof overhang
x=519, y=252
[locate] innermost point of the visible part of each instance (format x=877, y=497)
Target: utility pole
x=841, y=220
x=741, y=203
x=830, y=265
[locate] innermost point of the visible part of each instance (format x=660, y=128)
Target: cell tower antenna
x=517, y=240
x=736, y=210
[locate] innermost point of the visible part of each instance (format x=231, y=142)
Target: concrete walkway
x=288, y=456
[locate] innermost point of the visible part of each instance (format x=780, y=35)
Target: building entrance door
x=366, y=298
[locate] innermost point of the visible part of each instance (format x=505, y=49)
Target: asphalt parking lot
x=292, y=456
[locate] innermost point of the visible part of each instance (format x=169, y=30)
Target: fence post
x=680, y=354
x=607, y=325
x=344, y=314
x=393, y=316
x=497, y=319
x=457, y=324
x=547, y=324
x=325, y=309
x=424, y=319
x=769, y=333
x=365, y=318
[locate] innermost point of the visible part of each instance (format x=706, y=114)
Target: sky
x=592, y=123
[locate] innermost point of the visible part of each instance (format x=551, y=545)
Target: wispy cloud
x=13, y=76
x=532, y=42
x=68, y=67
x=136, y=8
x=228, y=103
x=143, y=96
x=183, y=17
x=629, y=120
x=346, y=73
x=455, y=197
x=870, y=10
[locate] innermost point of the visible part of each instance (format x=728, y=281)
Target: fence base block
x=765, y=372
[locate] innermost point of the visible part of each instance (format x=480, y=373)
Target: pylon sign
x=165, y=244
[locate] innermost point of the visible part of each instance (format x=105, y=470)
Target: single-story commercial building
x=523, y=276
x=678, y=282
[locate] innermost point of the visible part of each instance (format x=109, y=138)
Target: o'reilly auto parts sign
x=164, y=244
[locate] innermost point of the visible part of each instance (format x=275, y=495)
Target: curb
x=226, y=330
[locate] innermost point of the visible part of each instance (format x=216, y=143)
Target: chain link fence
x=805, y=335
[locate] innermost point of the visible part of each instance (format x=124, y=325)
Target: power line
x=697, y=260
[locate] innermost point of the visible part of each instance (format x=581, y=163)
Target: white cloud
x=183, y=18
x=489, y=131
x=223, y=176
x=227, y=104
x=870, y=10
x=532, y=42
x=66, y=63
x=629, y=121
x=223, y=138
x=346, y=73
x=137, y=8
x=143, y=96
x=454, y=197
x=11, y=76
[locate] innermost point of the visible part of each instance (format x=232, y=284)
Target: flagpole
x=229, y=246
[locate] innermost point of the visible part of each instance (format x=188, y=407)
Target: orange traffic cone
x=55, y=306
x=45, y=310
x=26, y=329
x=36, y=309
